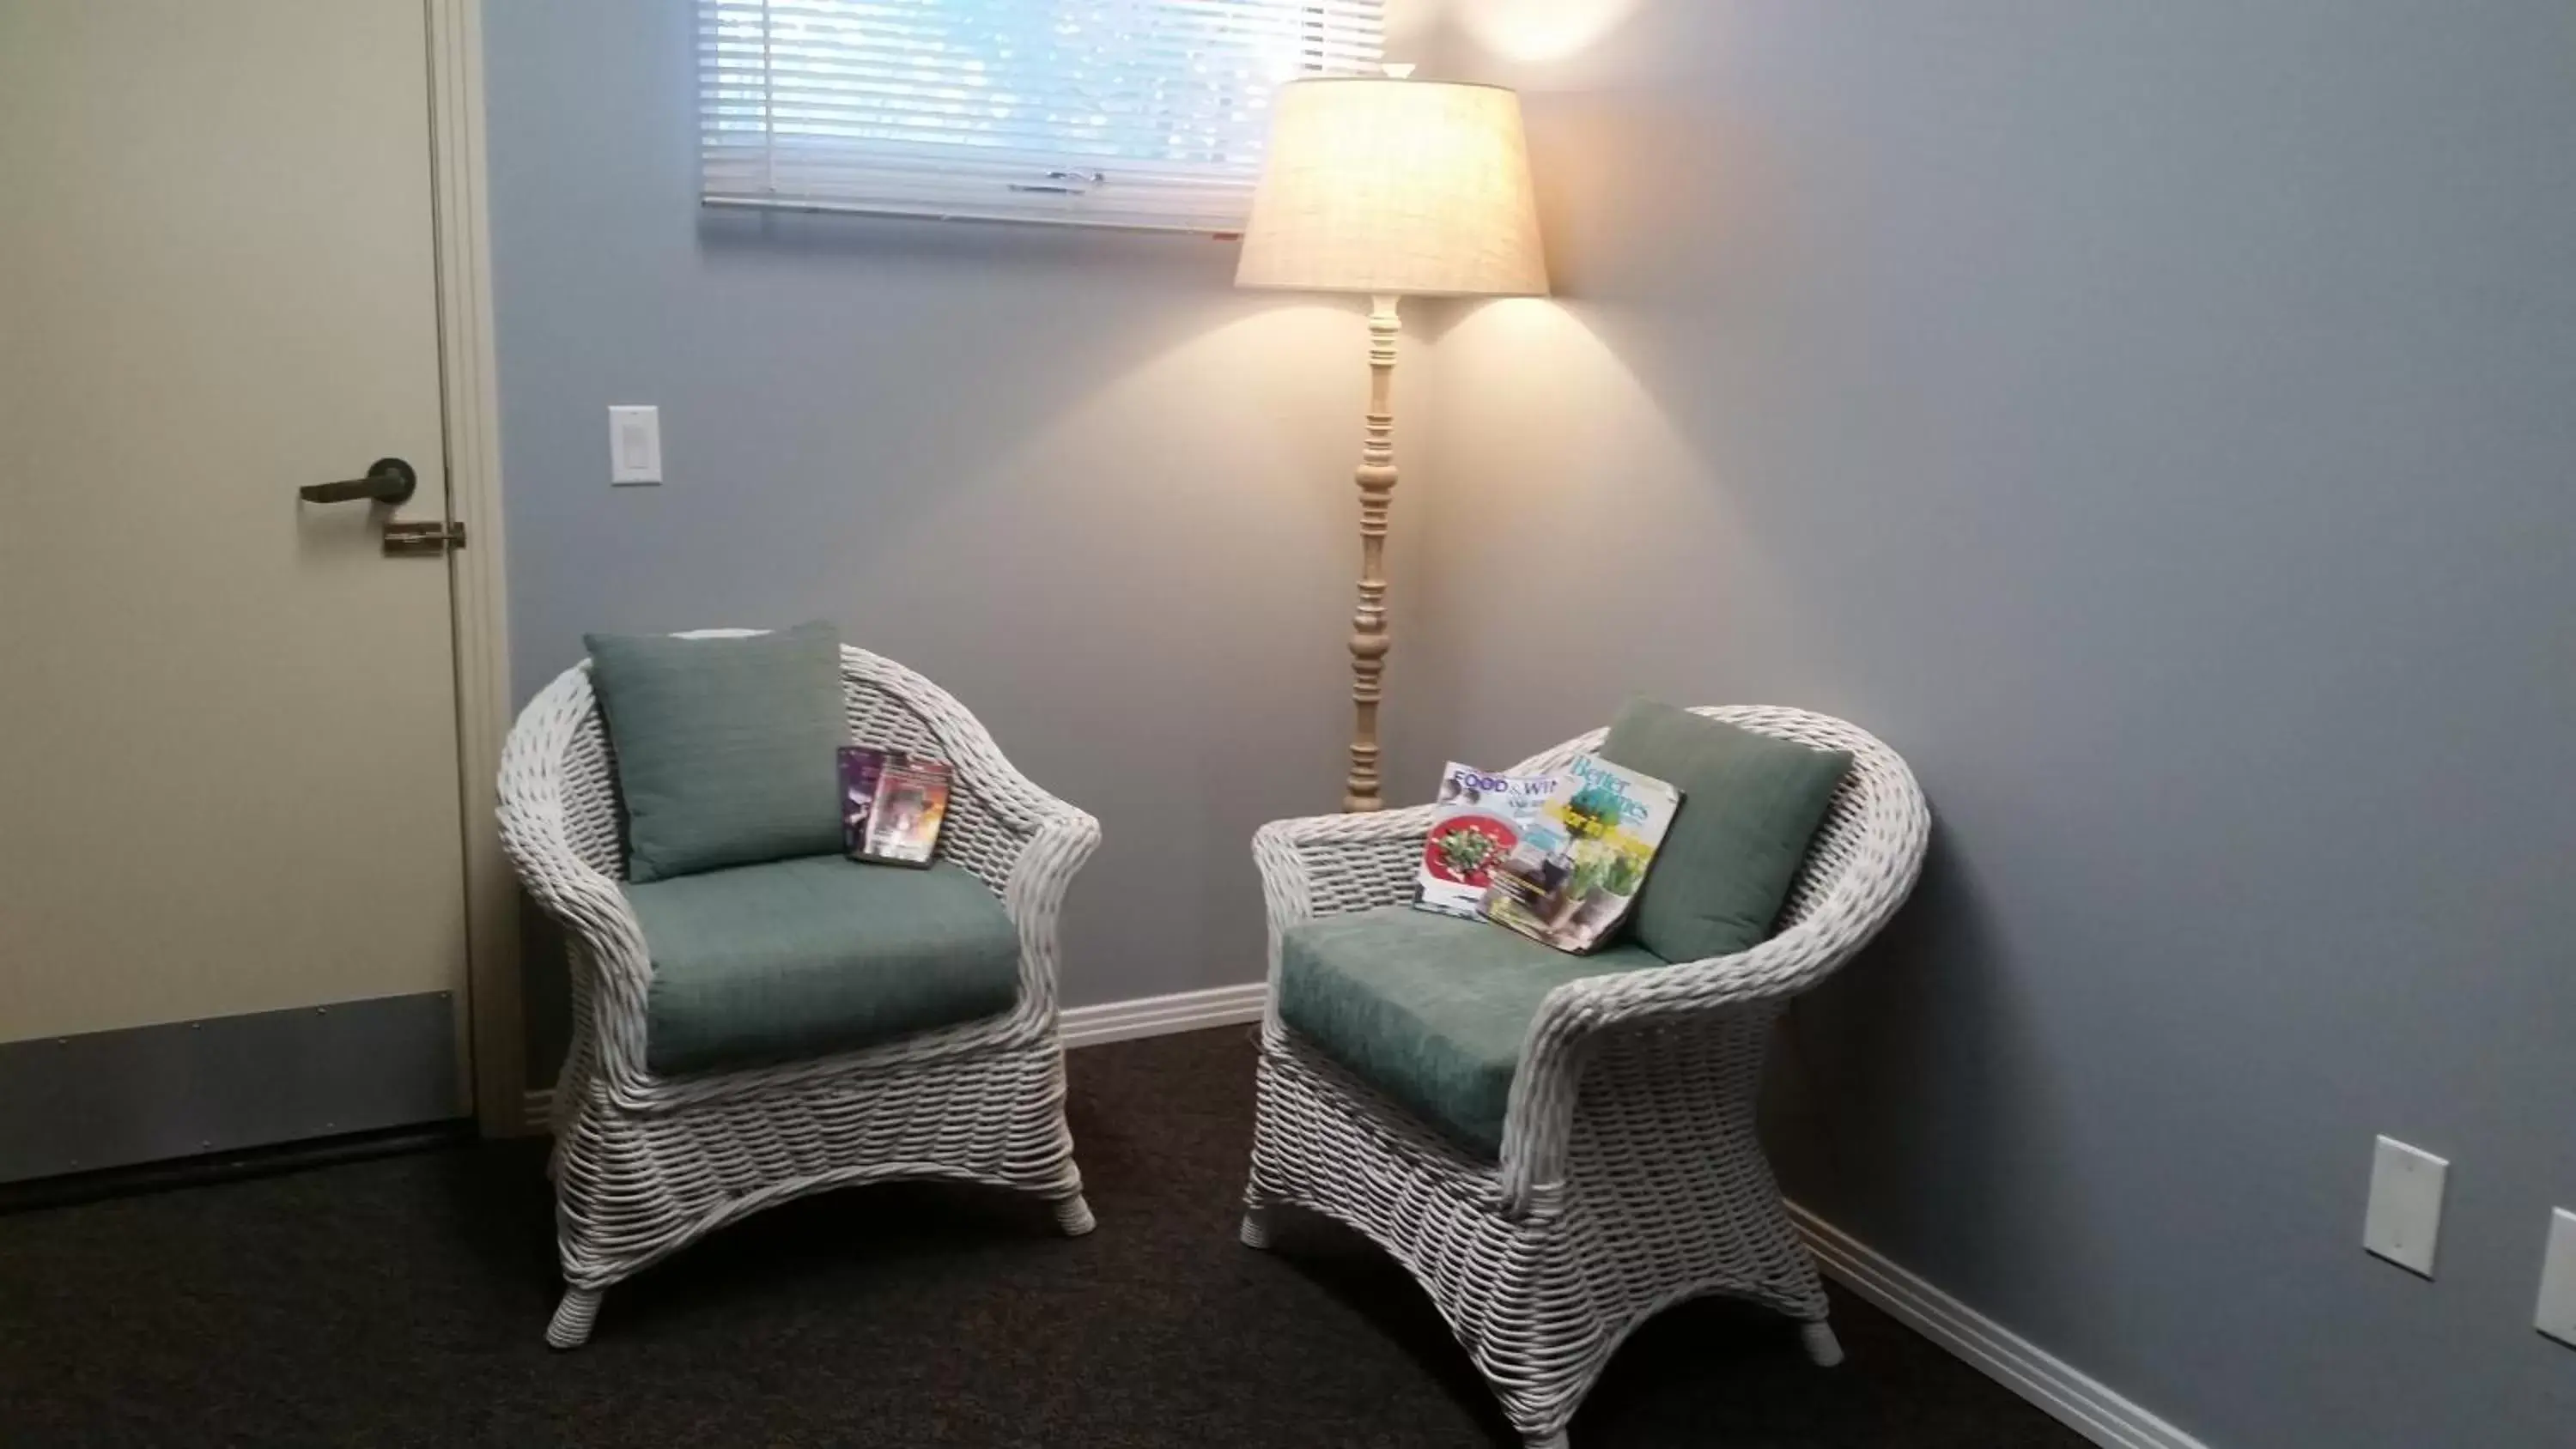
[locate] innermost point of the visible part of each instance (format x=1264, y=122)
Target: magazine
x=1480, y=818
x=861, y=765
x=904, y=817
x=1576, y=869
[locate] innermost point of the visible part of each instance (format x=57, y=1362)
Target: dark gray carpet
x=402, y=1301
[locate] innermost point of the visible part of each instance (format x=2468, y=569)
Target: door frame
x=478, y=591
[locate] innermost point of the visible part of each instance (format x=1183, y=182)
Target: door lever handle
x=391, y=480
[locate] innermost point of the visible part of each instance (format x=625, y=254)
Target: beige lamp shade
x=1398, y=188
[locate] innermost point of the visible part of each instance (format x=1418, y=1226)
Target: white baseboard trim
x=2072, y=1397
x=1084, y=1026
x=1162, y=1015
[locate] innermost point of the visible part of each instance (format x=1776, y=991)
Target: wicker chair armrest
x=536, y=836
x=1034, y=897
x=1539, y=1120
x=1043, y=840
x=1016, y=802
x=1023, y=843
x=1025, y=816
x=581, y=899
x=1018, y=807
x=1331, y=865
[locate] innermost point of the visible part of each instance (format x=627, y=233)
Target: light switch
x=634, y=444
x=2558, y=1280
x=2405, y=1218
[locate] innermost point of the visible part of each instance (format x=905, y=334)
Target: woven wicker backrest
x=596, y=816
x=1828, y=854
x=1877, y=788
x=969, y=835
x=593, y=814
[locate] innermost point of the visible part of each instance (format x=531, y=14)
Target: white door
x=231, y=894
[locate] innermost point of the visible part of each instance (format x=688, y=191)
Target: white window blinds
x=1133, y=113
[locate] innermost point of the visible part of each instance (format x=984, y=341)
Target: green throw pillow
x=725, y=747
x=1750, y=804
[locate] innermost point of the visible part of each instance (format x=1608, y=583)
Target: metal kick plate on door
x=405, y=539
x=143, y=1093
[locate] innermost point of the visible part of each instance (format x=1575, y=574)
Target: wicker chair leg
x=1255, y=1231
x=1822, y=1346
x=573, y=1318
x=1073, y=1216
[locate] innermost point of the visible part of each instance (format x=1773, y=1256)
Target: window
x=1131, y=113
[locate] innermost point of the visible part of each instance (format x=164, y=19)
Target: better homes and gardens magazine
x=1575, y=870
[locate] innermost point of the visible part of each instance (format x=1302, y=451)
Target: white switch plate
x=634, y=444
x=2405, y=1219
x=2558, y=1280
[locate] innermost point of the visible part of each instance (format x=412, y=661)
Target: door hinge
x=405, y=538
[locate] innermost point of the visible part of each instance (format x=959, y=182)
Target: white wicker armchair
x=1630, y=1176
x=645, y=1164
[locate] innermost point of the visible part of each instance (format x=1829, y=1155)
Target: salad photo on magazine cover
x=1479, y=818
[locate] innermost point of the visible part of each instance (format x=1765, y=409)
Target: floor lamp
x=1390, y=188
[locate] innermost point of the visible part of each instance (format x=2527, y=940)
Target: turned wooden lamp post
x=1390, y=187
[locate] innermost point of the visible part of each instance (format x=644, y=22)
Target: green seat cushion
x=802, y=958
x=1750, y=805
x=1429, y=1009
x=725, y=747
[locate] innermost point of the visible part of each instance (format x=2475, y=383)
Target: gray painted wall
x=1074, y=477
x=2154, y=420
x=2159, y=422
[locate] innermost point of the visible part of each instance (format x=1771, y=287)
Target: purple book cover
x=911, y=803
x=861, y=766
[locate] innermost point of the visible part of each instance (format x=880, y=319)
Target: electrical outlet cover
x=634, y=443
x=2558, y=1280
x=2404, y=1224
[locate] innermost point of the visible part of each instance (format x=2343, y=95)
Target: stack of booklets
x=1557, y=857
x=891, y=805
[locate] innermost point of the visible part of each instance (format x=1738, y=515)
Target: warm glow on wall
x=1542, y=30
